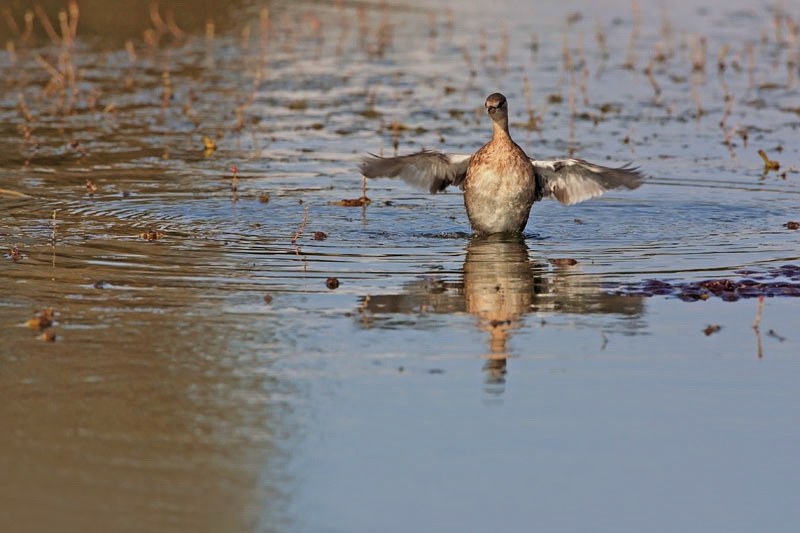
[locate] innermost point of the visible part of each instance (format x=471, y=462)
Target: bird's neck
x=500, y=129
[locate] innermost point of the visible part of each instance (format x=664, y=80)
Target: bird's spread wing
x=427, y=169
x=573, y=180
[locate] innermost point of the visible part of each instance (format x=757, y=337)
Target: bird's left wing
x=571, y=181
x=427, y=169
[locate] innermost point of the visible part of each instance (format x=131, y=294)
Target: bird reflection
x=500, y=285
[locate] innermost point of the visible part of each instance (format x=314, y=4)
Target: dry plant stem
x=12, y=52
x=759, y=311
x=751, y=66
x=173, y=27
x=758, y=344
x=363, y=310
x=648, y=71
x=155, y=18
x=24, y=108
x=395, y=136
x=57, y=76
x=46, y=24
x=728, y=136
x=630, y=61
x=26, y=36
x=66, y=33
x=12, y=24
x=365, y=200
x=469, y=62
x=300, y=232
x=756, y=324
x=74, y=15
x=602, y=44
x=54, y=244
x=584, y=86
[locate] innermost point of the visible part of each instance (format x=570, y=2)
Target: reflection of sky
x=640, y=436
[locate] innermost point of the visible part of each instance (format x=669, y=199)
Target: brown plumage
x=500, y=181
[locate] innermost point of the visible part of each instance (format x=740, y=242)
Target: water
x=210, y=380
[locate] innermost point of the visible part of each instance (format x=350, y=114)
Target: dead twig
x=300, y=232
x=756, y=323
x=759, y=311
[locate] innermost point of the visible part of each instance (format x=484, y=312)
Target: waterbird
x=500, y=182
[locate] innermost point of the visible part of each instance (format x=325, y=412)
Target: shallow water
x=210, y=380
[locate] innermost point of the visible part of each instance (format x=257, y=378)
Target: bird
x=500, y=182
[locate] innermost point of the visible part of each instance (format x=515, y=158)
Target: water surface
x=209, y=379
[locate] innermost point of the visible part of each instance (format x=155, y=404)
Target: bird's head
x=496, y=106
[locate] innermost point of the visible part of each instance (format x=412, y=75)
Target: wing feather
x=428, y=169
x=571, y=181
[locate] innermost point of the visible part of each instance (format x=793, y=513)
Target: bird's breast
x=499, y=189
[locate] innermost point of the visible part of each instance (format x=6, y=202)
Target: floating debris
x=9, y=192
x=74, y=144
x=267, y=299
x=774, y=335
x=769, y=164
x=354, y=202
x=41, y=320
x=91, y=188
x=48, y=336
x=332, y=283
x=370, y=113
x=711, y=329
x=263, y=198
x=563, y=261
x=209, y=146
x=15, y=254
x=758, y=284
x=792, y=224
x=320, y=235
x=151, y=235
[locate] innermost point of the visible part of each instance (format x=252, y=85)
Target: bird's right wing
x=434, y=171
